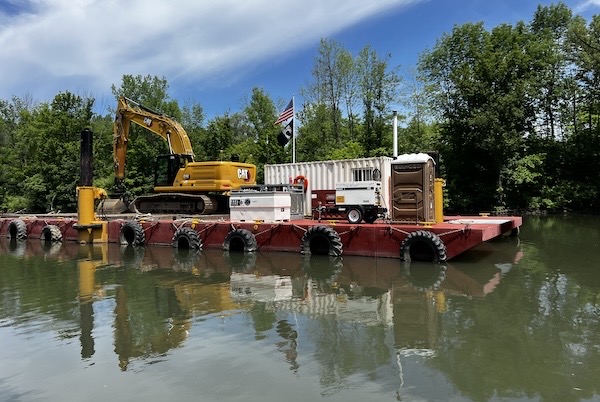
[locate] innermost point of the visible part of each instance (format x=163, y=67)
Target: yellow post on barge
x=89, y=228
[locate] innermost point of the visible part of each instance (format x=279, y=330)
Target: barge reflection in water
x=355, y=325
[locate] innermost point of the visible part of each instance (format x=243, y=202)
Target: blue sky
x=215, y=52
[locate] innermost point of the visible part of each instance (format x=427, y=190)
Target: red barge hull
x=380, y=239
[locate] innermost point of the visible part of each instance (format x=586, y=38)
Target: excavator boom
x=129, y=111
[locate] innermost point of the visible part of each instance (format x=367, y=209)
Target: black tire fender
x=187, y=238
x=423, y=245
x=321, y=240
x=132, y=234
x=240, y=240
x=17, y=229
x=51, y=233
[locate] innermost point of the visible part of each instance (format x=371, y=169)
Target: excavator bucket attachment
x=112, y=206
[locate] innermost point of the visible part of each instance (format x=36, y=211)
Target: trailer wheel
x=423, y=245
x=321, y=240
x=17, y=229
x=187, y=238
x=370, y=216
x=354, y=215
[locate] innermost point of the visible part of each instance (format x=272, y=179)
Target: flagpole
x=293, y=130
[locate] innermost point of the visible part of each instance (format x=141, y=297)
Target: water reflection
x=158, y=294
x=363, y=320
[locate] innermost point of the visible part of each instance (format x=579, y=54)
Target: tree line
x=513, y=111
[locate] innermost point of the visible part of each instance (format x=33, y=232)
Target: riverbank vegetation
x=513, y=110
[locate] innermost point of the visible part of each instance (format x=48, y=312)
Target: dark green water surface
x=516, y=319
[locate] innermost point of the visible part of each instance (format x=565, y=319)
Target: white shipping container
x=323, y=175
x=266, y=206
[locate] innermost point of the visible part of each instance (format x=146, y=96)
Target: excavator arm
x=181, y=185
x=129, y=111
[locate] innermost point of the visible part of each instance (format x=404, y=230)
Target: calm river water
x=514, y=319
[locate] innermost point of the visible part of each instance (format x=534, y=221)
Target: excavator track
x=178, y=203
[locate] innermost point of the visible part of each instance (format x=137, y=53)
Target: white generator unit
x=262, y=206
x=359, y=200
x=358, y=193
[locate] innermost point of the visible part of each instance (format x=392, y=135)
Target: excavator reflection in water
x=181, y=184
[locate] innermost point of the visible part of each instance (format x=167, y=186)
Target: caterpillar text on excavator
x=181, y=184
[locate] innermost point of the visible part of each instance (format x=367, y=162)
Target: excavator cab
x=167, y=166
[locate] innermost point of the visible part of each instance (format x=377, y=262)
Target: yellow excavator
x=181, y=184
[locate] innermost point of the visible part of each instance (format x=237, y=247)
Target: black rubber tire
x=17, y=229
x=322, y=269
x=370, y=217
x=321, y=240
x=132, y=234
x=51, y=233
x=354, y=215
x=51, y=248
x=425, y=276
x=240, y=262
x=185, y=259
x=17, y=248
x=240, y=240
x=132, y=256
x=424, y=246
x=187, y=238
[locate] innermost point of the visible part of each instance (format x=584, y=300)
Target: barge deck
x=417, y=242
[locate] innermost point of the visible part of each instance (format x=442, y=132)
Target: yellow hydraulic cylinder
x=85, y=205
x=90, y=258
x=90, y=230
x=87, y=269
x=438, y=197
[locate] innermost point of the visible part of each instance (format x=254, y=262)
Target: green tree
x=333, y=74
x=192, y=120
x=313, y=143
x=584, y=145
x=418, y=136
x=378, y=88
x=47, y=148
x=13, y=114
x=343, y=87
x=480, y=82
x=219, y=137
x=262, y=135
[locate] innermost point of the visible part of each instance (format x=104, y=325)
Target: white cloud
x=84, y=46
x=587, y=4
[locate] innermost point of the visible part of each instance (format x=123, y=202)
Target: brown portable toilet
x=412, y=185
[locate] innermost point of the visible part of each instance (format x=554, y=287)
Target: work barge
x=307, y=236
x=386, y=207
x=345, y=211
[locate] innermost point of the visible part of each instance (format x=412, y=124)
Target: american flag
x=288, y=113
